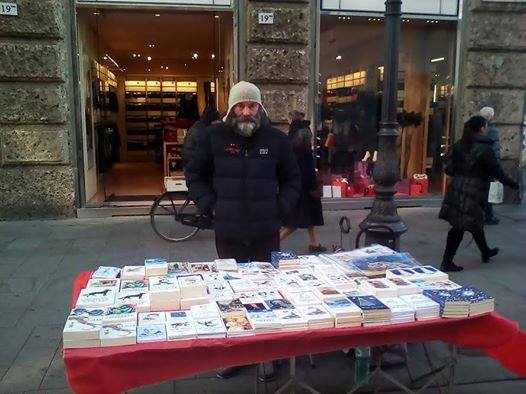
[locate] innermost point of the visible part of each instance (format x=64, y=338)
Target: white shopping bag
x=496, y=193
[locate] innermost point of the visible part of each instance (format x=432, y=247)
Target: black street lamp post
x=384, y=213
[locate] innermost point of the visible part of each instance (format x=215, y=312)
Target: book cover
x=151, y=333
x=368, y=303
x=121, y=313
x=97, y=297
x=175, y=268
x=340, y=303
x=238, y=324
x=134, y=285
x=148, y=318
x=133, y=272
x=256, y=307
x=232, y=307
x=103, y=283
x=92, y=313
x=280, y=303
x=164, y=283
x=210, y=327
x=81, y=328
x=204, y=311
x=378, y=265
x=202, y=268
x=115, y=331
x=226, y=264
x=106, y=272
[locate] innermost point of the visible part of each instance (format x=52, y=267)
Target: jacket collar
x=483, y=139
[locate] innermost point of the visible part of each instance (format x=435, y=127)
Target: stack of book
x=140, y=297
x=264, y=321
x=82, y=328
x=326, y=293
x=480, y=301
x=452, y=303
x=374, y=312
x=424, y=284
x=133, y=272
x=147, y=333
x=202, y=268
x=207, y=320
x=428, y=272
x=176, y=268
x=98, y=297
x=284, y=260
x=317, y=316
x=237, y=326
x=380, y=287
x=303, y=298
x=96, y=283
x=291, y=319
x=425, y=308
x=125, y=313
x=156, y=266
x=401, y=311
x=193, y=291
x=242, y=285
x=165, y=294
x=149, y=318
x=180, y=325
x=231, y=308
x=345, y=313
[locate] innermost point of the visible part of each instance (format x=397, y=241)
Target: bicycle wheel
x=165, y=217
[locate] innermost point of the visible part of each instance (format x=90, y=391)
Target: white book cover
x=379, y=287
x=147, y=318
x=151, y=333
x=242, y=285
x=180, y=329
x=249, y=297
x=204, y=311
x=98, y=297
x=423, y=284
x=156, y=266
x=210, y=327
x=106, y=272
x=303, y=298
x=291, y=317
x=397, y=305
x=226, y=264
x=326, y=293
x=167, y=283
x=94, y=283
x=310, y=260
x=140, y=298
x=92, y=313
x=420, y=301
x=266, y=295
x=134, y=285
x=341, y=306
x=429, y=272
x=315, y=313
x=124, y=313
x=187, y=303
x=81, y=328
x=191, y=281
x=264, y=319
x=178, y=268
x=230, y=275
x=133, y=272
x=118, y=334
x=219, y=286
x=238, y=326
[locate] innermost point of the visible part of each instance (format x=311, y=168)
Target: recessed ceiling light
x=96, y=13
x=151, y=45
x=195, y=56
x=149, y=69
x=157, y=14
x=149, y=58
x=339, y=57
x=166, y=67
x=213, y=55
x=105, y=57
x=216, y=16
x=185, y=65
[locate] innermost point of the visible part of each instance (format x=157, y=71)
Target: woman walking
x=471, y=164
x=308, y=210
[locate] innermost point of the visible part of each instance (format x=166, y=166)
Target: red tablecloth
x=116, y=369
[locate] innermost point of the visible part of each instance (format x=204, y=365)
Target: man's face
x=246, y=108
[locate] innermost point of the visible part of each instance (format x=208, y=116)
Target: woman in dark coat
x=471, y=164
x=308, y=211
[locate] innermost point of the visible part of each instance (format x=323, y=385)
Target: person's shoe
x=493, y=221
x=227, y=373
x=317, y=248
x=267, y=372
x=450, y=267
x=490, y=253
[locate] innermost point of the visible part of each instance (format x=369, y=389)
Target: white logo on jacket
x=263, y=151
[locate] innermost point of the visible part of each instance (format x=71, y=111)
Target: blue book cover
x=368, y=303
x=377, y=265
x=473, y=294
x=155, y=260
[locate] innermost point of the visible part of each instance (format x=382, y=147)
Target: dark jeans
x=256, y=250
x=454, y=238
x=488, y=211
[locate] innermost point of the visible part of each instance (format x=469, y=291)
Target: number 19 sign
x=10, y=9
x=266, y=18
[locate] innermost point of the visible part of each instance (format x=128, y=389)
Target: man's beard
x=245, y=126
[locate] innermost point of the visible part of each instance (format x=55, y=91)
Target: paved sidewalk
x=39, y=260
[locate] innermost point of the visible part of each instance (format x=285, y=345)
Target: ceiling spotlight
x=134, y=55
x=195, y=56
x=216, y=16
x=185, y=65
x=157, y=14
x=96, y=13
x=151, y=45
x=213, y=55
x=105, y=57
x=149, y=58
x=339, y=57
x=166, y=67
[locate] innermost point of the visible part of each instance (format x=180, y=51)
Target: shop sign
x=422, y=7
x=266, y=18
x=157, y=2
x=10, y=9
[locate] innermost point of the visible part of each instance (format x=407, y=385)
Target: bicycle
x=177, y=223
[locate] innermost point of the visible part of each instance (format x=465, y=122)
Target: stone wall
x=493, y=54
x=37, y=174
x=279, y=58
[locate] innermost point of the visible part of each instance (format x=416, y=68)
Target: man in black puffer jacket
x=244, y=173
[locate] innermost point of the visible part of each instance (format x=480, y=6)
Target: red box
x=418, y=186
x=369, y=191
x=350, y=191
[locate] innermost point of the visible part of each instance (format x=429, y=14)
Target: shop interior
x=145, y=77
x=351, y=68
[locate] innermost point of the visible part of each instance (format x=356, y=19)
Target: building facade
x=314, y=56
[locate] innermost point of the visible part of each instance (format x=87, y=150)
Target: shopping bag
x=496, y=193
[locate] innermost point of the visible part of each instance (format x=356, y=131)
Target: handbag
x=496, y=193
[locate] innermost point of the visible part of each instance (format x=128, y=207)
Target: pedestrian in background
x=210, y=116
x=308, y=212
x=471, y=163
x=488, y=113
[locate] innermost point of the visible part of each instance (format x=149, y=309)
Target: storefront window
x=352, y=70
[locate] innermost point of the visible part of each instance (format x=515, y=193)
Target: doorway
x=145, y=77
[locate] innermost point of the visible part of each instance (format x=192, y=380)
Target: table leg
x=453, y=355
